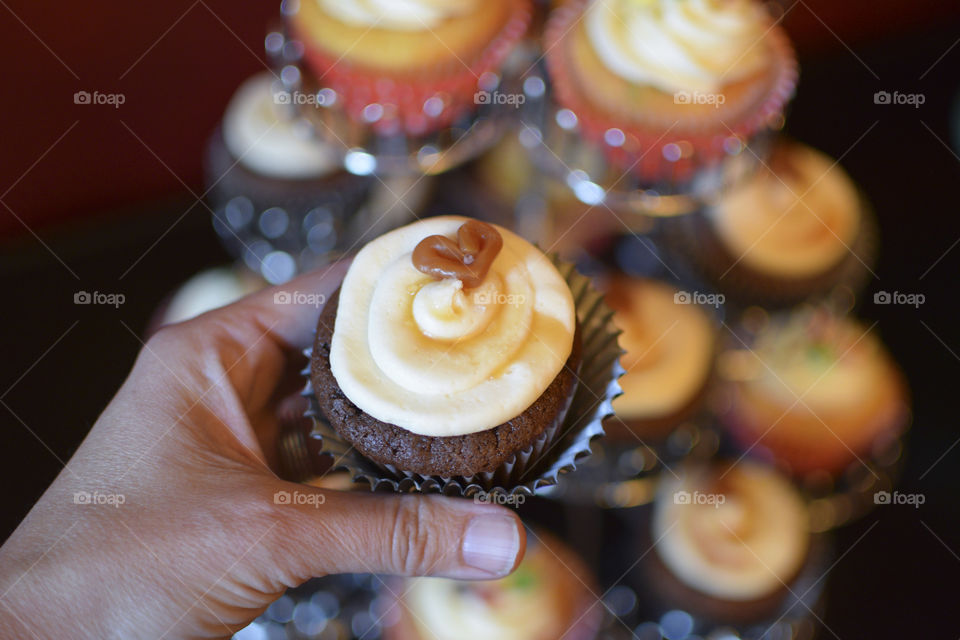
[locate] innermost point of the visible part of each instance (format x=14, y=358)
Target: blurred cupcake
x=670, y=346
x=815, y=391
x=730, y=543
x=409, y=66
x=668, y=87
x=550, y=596
x=273, y=187
x=452, y=348
x=208, y=290
x=795, y=228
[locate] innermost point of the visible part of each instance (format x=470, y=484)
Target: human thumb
x=412, y=535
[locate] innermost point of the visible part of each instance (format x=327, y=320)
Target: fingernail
x=491, y=544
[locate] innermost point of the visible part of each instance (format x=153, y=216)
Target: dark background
x=111, y=207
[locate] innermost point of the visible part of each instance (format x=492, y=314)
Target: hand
x=164, y=522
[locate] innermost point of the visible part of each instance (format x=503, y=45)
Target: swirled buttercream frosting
x=797, y=218
x=679, y=45
x=438, y=357
x=736, y=533
x=261, y=139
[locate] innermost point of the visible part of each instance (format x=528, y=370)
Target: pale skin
x=199, y=547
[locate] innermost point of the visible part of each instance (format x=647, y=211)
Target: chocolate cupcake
x=796, y=228
x=731, y=544
x=275, y=188
x=551, y=595
x=451, y=348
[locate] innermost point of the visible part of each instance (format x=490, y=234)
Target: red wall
x=189, y=63
x=177, y=62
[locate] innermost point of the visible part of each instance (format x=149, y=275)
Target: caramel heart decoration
x=468, y=259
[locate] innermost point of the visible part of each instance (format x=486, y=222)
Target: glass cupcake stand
x=618, y=480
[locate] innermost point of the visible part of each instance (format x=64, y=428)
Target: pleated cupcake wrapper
x=696, y=241
x=557, y=450
x=403, y=97
x=642, y=153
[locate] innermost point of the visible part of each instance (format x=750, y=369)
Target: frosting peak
x=678, y=45
x=438, y=358
x=444, y=311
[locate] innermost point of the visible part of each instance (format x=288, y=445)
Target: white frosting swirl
x=797, y=220
x=678, y=45
x=263, y=140
x=439, y=360
x=737, y=537
x=399, y=15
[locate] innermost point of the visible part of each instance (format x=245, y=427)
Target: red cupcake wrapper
x=643, y=152
x=403, y=97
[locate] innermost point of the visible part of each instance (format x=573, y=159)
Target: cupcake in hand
x=550, y=596
x=814, y=391
x=731, y=542
x=667, y=87
x=451, y=349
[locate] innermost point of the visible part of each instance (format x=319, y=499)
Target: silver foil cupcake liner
x=556, y=451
